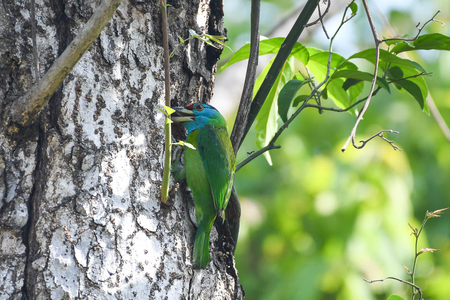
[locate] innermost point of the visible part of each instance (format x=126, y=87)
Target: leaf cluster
x=343, y=78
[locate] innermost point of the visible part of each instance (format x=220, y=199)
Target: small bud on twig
x=436, y=213
x=407, y=270
x=426, y=250
x=415, y=231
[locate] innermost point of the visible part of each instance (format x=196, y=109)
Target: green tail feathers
x=201, y=248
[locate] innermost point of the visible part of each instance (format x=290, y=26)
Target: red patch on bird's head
x=190, y=106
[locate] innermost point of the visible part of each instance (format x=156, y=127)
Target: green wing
x=218, y=158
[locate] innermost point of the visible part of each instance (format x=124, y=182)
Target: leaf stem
x=416, y=254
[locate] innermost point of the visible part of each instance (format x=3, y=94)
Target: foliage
x=343, y=80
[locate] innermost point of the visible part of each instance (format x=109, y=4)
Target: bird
x=210, y=169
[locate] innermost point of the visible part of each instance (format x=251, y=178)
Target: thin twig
x=256, y=154
x=341, y=109
x=418, y=32
x=416, y=251
x=320, y=19
x=374, y=80
x=320, y=15
x=167, y=126
x=400, y=280
x=438, y=117
x=378, y=42
x=250, y=78
x=365, y=98
x=380, y=134
x=24, y=110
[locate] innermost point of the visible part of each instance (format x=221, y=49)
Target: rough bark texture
x=80, y=215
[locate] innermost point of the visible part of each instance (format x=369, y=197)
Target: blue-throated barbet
x=209, y=170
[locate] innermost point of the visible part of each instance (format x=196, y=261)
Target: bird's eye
x=199, y=107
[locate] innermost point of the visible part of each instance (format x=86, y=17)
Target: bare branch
x=256, y=154
x=24, y=110
x=321, y=16
x=400, y=280
x=438, y=117
x=379, y=134
x=378, y=42
x=250, y=78
x=374, y=80
x=319, y=107
x=418, y=28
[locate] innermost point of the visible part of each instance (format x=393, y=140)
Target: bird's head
x=196, y=115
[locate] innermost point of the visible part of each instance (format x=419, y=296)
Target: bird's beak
x=182, y=114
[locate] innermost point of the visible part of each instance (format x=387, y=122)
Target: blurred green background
x=319, y=221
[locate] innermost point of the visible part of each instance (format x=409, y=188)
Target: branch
x=320, y=19
x=374, y=80
x=319, y=107
x=438, y=117
x=380, y=134
x=400, y=280
x=250, y=78
x=254, y=155
x=23, y=111
x=271, y=145
x=418, y=28
x=378, y=42
x=278, y=63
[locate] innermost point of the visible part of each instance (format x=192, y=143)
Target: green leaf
x=299, y=99
x=205, y=40
x=181, y=143
x=395, y=297
x=268, y=46
x=318, y=64
x=287, y=93
x=350, y=82
x=354, y=90
x=432, y=41
x=416, y=87
x=322, y=57
x=193, y=33
x=412, y=89
x=361, y=76
x=266, y=120
x=385, y=56
x=217, y=39
x=189, y=145
x=354, y=8
x=169, y=110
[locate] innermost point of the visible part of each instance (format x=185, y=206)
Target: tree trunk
x=80, y=210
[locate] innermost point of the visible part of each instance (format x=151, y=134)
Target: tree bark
x=80, y=210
